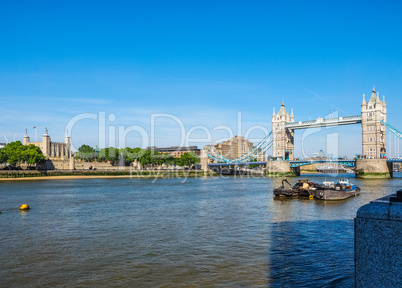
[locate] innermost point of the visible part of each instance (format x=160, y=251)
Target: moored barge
x=339, y=191
x=325, y=191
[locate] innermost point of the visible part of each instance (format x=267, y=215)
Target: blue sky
x=201, y=61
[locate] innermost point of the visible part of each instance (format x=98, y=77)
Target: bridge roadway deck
x=394, y=160
x=348, y=163
x=237, y=164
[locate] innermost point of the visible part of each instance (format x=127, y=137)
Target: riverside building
x=234, y=148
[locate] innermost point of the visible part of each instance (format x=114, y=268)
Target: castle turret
x=46, y=144
x=26, y=138
x=67, y=140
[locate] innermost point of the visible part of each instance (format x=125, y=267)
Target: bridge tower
x=283, y=138
x=373, y=132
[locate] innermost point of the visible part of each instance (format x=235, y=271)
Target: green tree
x=15, y=153
x=32, y=155
x=130, y=154
x=109, y=154
x=86, y=152
x=252, y=160
x=168, y=159
x=3, y=156
x=145, y=157
x=188, y=159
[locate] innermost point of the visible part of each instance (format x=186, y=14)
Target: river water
x=197, y=232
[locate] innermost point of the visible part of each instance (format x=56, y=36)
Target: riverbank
x=67, y=177
x=63, y=175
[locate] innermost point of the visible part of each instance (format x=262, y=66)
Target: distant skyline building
x=234, y=148
x=319, y=154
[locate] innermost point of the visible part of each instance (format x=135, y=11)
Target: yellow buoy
x=24, y=207
x=311, y=197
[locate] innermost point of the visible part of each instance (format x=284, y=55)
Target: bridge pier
x=391, y=169
x=373, y=168
x=296, y=170
x=280, y=169
x=204, y=161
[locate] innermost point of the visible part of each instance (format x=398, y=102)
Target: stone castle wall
x=58, y=154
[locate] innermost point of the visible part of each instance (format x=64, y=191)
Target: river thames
x=201, y=232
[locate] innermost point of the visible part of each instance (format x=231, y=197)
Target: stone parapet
x=378, y=244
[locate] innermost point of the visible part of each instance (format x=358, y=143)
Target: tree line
x=128, y=155
x=15, y=153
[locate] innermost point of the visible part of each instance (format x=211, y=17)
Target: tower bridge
x=373, y=120
x=373, y=115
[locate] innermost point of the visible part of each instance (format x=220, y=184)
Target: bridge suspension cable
x=256, y=151
x=392, y=129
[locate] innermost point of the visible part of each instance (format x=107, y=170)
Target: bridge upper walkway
x=320, y=122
